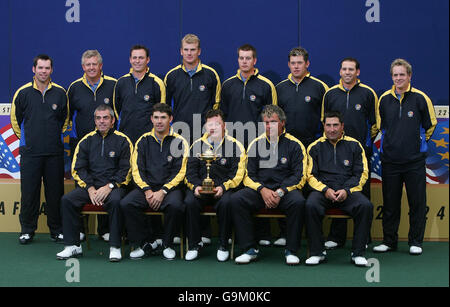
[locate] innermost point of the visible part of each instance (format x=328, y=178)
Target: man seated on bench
x=337, y=171
x=275, y=174
x=101, y=168
x=159, y=166
x=227, y=171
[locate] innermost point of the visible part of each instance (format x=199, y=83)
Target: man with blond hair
x=405, y=116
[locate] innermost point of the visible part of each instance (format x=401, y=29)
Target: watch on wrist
x=280, y=193
x=111, y=185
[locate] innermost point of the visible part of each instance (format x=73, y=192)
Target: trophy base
x=210, y=192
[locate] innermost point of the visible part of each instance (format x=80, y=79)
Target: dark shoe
x=58, y=238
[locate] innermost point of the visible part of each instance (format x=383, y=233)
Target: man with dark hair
x=356, y=102
x=136, y=93
x=300, y=97
x=275, y=174
x=41, y=149
x=406, y=119
x=101, y=167
x=159, y=167
x=226, y=171
x=337, y=171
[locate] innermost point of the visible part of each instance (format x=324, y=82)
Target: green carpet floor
x=36, y=265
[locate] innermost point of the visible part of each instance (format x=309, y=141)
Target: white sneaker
x=330, y=244
x=105, y=237
x=315, y=260
x=415, y=250
x=247, y=257
x=69, y=252
x=169, y=253
x=191, y=255
x=264, y=242
x=138, y=253
x=382, y=248
x=206, y=240
x=292, y=259
x=114, y=254
x=176, y=240
x=159, y=242
x=82, y=237
x=222, y=255
x=359, y=261
x=280, y=242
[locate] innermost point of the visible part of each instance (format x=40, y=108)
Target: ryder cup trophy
x=208, y=184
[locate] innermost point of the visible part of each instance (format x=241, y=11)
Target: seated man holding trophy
x=276, y=171
x=215, y=167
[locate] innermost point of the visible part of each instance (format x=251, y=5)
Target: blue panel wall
x=330, y=30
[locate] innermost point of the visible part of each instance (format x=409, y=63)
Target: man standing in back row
x=39, y=116
x=406, y=119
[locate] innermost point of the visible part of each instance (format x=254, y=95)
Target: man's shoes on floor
x=415, y=250
x=143, y=251
x=247, y=257
x=315, y=260
x=169, y=253
x=191, y=254
x=291, y=259
x=105, y=237
x=114, y=254
x=331, y=245
x=264, y=242
x=25, y=238
x=82, y=237
x=206, y=240
x=280, y=242
x=382, y=248
x=359, y=260
x=222, y=254
x=70, y=252
x=176, y=240
x=58, y=238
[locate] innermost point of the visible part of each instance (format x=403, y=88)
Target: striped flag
x=9, y=153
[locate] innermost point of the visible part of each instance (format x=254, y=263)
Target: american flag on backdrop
x=437, y=159
x=9, y=153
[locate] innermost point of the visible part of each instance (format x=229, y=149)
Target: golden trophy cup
x=208, y=184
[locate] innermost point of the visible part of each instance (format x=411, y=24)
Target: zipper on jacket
x=103, y=145
x=191, y=84
x=348, y=98
x=296, y=87
x=334, y=154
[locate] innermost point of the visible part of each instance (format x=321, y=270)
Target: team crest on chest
x=252, y=97
x=54, y=106
x=112, y=154
x=283, y=160
x=146, y=97
x=106, y=100
x=410, y=114
x=202, y=88
x=307, y=98
x=169, y=158
x=357, y=107
x=223, y=161
x=346, y=162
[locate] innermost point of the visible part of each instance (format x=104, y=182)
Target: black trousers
x=356, y=205
x=194, y=206
x=71, y=205
x=246, y=202
x=139, y=227
x=413, y=175
x=34, y=170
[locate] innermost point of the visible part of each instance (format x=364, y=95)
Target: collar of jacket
x=292, y=80
x=340, y=139
x=85, y=82
x=341, y=85
x=199, y=67
x=152, y=133
x=278, y=137
x=206, y=135
x=395, y=95
x=255, y=74
x=110, y=131
x=147, y=72
x=49, y=86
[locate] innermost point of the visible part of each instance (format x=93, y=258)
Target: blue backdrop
x=374, y=31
